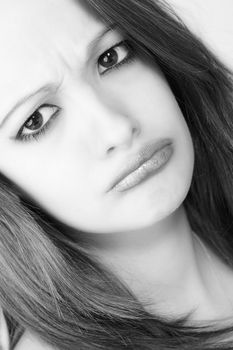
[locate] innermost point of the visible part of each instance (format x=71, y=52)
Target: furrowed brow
x=50, y=87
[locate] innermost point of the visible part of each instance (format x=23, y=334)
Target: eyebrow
x=51, y=87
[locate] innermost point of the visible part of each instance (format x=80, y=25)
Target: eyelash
x=128, y=59
x=36, y=136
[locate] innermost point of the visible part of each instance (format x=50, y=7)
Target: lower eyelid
x=123, y=42
x=36, y=135
x=129, y=59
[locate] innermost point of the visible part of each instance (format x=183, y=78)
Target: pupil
x=109, y=59
x=35, y=121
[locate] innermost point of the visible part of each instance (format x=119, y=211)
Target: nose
x=113, y=129
x=115, y=132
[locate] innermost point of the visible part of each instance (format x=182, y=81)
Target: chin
x=167, y=208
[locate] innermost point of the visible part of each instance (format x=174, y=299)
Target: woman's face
x=77, y=111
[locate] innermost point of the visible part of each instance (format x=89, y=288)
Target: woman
x=116, y=191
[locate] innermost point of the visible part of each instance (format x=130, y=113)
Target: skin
x=4, y=336
x=93, y=136
x=142, y=234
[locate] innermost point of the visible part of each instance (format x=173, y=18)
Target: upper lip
x=136, y=160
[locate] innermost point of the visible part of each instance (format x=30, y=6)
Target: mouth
x=148, y=161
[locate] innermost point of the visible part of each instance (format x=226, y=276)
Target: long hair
x=54, y=287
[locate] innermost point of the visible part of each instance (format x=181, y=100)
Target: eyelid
x=111, y=48
x=95, y=46
x=110, y=38
x=26, y=137
x=44, y=105
x=31, y=101
x=130, y=56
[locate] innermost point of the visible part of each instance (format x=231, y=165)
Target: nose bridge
x=112, y=126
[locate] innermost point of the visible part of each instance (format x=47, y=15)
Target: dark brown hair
x=52, y=286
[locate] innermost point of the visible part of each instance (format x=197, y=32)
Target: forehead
x=27, y=21
x=36, y=34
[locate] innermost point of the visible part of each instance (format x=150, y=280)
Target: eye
x=38, y=122
x=117, y=55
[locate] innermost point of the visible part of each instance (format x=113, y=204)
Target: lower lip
x=146, y=170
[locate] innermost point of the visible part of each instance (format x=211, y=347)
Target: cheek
x=147, y=97
x=69, y=191
x=142, y=92
x=51, y=178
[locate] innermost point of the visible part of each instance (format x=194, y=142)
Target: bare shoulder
x=4, y=334
x=29, y=341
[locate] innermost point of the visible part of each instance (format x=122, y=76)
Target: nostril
x=110, y=149
x=136, y=129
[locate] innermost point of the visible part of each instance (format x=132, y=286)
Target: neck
x=166, y=267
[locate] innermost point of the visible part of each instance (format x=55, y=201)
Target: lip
x=134, y=161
